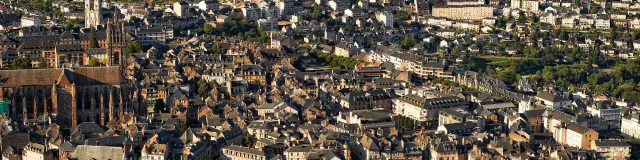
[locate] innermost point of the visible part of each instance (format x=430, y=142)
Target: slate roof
x=577, y=128
x=89, y=127
x=83, y=152
x=534, y=113
x=551, y=97
x=107, y=141
x=372, y=115
x=499, y=106
x=611, y=143
x=460, y=126
x=47, y=77
x=444, y=102
x=453, y=112
x=15, y=140
x=261, y=125
x=67, y=147
x=300, y=149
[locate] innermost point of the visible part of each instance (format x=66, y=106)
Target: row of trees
x=329, y=60
x=332, y=60
x=623, y=81
x=242, y=29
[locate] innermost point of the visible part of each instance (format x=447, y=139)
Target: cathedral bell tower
x=92, y=15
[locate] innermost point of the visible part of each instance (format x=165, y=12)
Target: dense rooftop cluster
x=324, y=79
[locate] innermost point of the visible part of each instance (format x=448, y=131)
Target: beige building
x=34, y=151
x=234, y=152
x=298, y=152
x=531, y=5
x=612, y=149
x=260, y=129
x=574, y=135
x=463, y=2
x=473, y=12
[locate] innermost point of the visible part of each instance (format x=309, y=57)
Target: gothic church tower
x=92, y=16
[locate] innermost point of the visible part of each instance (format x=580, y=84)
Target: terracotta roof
x=81, y=76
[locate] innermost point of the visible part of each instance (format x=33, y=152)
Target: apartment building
x=630, y=126
x=612, y=149
x=151, y=34
x=233, y=152
x=607, y=115
x=469, y=12
x=426, y=111
x=574, y=135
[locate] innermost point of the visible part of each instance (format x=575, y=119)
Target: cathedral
x=71, y=95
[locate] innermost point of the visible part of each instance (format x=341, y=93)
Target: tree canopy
x=21, y=63
x=134, y=47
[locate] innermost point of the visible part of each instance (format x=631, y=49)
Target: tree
x=508, y=76
x=203, y=88
x=208, y=29
x=92, y=39
x=21, y=63
x=159, y=106
x=134, y=47
x=522, y=17
x=94, y=62
x=317, y=12
x=247, y=141
x=408, y=42
x=42, y=63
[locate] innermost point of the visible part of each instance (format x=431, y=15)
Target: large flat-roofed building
x=463, y=2
x=426, y=111
x=472, y=12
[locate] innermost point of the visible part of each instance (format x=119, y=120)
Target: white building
x=386, y=18
x=27, y=21
x=268, y=24
x=206, y=5
x=603, y=21
x=411, y=106
x=339, y=5
x=552, y=101
x=233, y=152
x=181, y=9
x=367, y=119
x=287, y=8
x=154, y=152
x=425, y=110
x=33, y=151
x=608, y=115
x=251, y=13
x=630, y=127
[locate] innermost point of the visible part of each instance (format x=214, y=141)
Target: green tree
x=509, y=76
x=134, y=47
x=21, y=63
x=42, y=63
x=94, y=62
x=208, y=29
x=92, y=39
x=203, y=88
x=522, y=17
x=317, y=12
x=408, y=42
